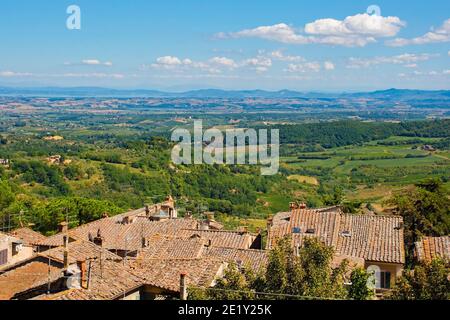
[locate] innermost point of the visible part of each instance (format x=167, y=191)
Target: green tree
x=307, y=275
x=6, y=195
x=359, y=290
x=428, y=281
x=425, y=210
x=79, y=211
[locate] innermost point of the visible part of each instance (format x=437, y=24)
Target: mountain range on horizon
x=399, y=94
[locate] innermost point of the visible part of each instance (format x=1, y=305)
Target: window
x=385, y=280
x=3, y=257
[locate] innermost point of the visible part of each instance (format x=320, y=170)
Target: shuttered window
x=385, y=279
x=3, y=257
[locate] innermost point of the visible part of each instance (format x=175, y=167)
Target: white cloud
x=407, y=59
x=168, y=61
x=279, y=55
x=439, y=35
x=279, y=32
x=63, y=75
x=214, y=65
x=91, y=75
x=259, y=64
x=358, y=30
x=304, y=67
x=223, y=61
x=357, y=25
x=8, y=74
x=328, y=65
x=90, y=62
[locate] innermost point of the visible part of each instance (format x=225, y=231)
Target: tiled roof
x=119, y=236
x=79, y=251
x=254, y=259
x=166, y=247
x=28, y=236
x=373, y=238
x=221, y=238
x=29, y=276
x=431, y=248
x=324, y=225
x=113, y=280
x=3, y=236
x=109, y=280
x=165, y=274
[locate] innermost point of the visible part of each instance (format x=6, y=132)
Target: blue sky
x=230, y=44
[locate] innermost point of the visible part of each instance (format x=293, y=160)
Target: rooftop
x=28, y=236
x=431, y=248
x=373, y=238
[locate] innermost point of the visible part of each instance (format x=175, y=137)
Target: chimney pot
x=183, y=286
x=63, y=227
x=83, y=276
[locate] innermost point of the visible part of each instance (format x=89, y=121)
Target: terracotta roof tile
x=431, y=248
x=221, y=238
x=79, y=251
x=112, y=280
x=29, y=276
x=373, y=238
x=254, y=259
x=28, y=236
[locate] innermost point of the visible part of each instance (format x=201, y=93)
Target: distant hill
x=404, y=94
x=391, y=94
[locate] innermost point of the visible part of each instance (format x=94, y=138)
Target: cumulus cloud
x=304, y=67
x=91, y=75
x=407, y=59
x=8, y=74
x=223, y=61
x=213, y=65
x=357, y=25
x=90, y=62
x=419, y=73
x=358, y=30
x=279, y=55
x=62, y=75
x=328, y=65
x=439, y=35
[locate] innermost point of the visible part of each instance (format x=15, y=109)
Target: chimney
x=210, y=216
x=126, y=220
x=63, y=227
x=98, y=240
x=183, y=287
x=293, y=206
x=188, y=215
x=66, y=252
x=105, y=215
x=83, y=274
x=144, y=243
x=303, y=206
x=147, y=211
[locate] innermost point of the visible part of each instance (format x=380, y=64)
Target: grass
x=375, y=177
x=304, y=179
